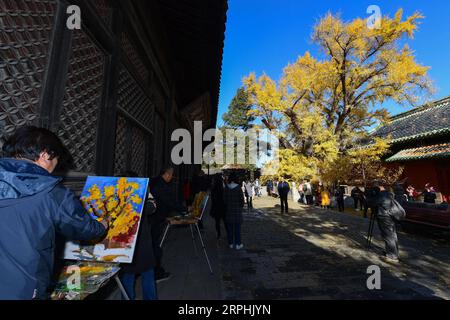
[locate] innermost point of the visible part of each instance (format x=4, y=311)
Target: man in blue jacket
x=34, y=205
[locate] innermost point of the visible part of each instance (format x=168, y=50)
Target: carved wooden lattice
x=82, y=99
x=120, y=159
x=138, y=153
x=159, y=144
x=25, y=31
x=104, y=10
x=133, y=100
x=133, y=56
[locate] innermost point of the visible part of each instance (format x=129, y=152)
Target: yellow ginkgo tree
x=362, y=165
x=323, y=106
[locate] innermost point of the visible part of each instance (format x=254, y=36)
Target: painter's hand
x=105, y=223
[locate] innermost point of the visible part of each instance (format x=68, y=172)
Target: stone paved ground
x=191, y=278
x=308, y=254
x=320, y=254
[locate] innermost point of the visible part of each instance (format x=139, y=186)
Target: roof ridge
x=429, y=146
x=424, y=108
x=423, y=152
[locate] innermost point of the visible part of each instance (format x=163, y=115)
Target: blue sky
x=265, y=35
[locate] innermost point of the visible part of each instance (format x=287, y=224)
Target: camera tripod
x=370, y=231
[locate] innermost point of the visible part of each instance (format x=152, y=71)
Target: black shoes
x=163, y=277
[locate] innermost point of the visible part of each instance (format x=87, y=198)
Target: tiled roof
x=425, y=121
x=435, y=151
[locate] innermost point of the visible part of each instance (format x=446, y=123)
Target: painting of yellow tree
x=120, y=201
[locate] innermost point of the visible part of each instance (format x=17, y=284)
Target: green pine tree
x=237, y=117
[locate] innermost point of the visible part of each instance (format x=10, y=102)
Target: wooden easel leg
x=193, y=240
x=370, y=231
x=204, y=248
x=122, y=289
x=165, y=234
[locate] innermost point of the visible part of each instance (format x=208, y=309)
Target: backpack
x=396, y=210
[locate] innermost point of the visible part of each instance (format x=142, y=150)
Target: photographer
x=34, y=205
x=388, y=210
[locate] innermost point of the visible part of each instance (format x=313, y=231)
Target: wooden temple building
x=421, y=143
x=115, y=89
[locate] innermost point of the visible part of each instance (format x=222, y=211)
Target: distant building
x=421, y=143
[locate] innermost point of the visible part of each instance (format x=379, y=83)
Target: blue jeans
x=234, y=233
x=148, y=285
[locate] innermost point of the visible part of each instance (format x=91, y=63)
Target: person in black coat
x=143, y=259
x=339, y=194
x=283, y=191
x=234, y=201
x=386, y=223
x=218, y=205
x=35, y=207
x=372, y=194
x=363, y=201
x=355, y=193
x=166, y=203
x=269, y=187
x=429, y=195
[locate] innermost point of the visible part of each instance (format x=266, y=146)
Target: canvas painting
x=121, y=201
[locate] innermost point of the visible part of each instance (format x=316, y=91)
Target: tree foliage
x=227, y=146
x=323, y=106
x=361, y=165
x=237, y=116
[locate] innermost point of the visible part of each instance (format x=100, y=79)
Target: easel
x=121, y=288
x=190, y=221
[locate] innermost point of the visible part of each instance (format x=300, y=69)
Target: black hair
x=165, y=169
x=218, y=183
x=233, y=177
x=29, y=142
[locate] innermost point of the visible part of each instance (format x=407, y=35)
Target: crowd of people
x=308, y=193
x=383, y=201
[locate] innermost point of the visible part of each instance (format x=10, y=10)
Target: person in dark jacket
x=143, y=259
x=386, y=223
x=234, y=201
x=269, y=187
x=363, y=201
x=429, y=195
x=355, y=193
x=372, y=194
x=339, y=194
x=399, y=193
x=166, y=203
x=283, y=191
x=34, y=206
x=218, y=205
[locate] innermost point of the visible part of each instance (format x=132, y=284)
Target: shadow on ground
x=315, y=254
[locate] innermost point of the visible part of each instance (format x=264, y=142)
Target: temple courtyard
x=309, y=253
